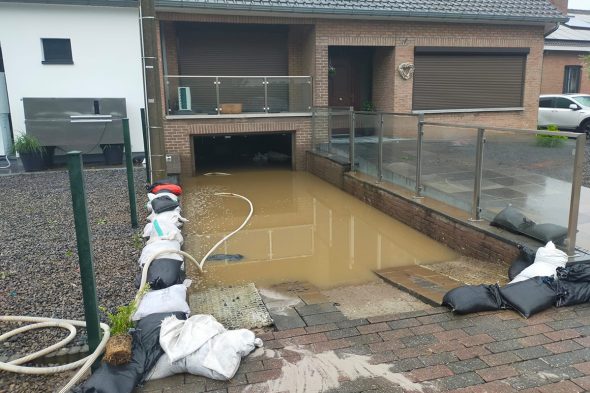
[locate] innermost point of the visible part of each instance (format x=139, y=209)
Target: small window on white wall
x=57, y=51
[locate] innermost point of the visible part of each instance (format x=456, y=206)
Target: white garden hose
x=85, y=363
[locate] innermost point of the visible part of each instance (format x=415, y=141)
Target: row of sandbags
x=539, y=280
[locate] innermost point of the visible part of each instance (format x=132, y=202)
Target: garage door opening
x=247, y=150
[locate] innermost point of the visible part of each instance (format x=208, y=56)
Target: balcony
x=197, y=96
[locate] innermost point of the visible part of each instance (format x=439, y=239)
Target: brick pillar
x=320, y=96
x=561, y=5
x=402, y=101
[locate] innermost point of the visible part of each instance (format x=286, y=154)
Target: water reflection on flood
x=303, y=229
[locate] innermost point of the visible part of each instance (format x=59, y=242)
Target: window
x=563, y=103
x=57, y=51
x=584, y=100
x=546, y=102
x=571, y=79
x=468, y=78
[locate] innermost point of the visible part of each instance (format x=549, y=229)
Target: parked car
x=566, y=111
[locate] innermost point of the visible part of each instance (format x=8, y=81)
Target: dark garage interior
x=244, y=150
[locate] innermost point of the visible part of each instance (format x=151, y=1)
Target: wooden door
x=340, y=82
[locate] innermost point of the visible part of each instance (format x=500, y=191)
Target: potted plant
x=31, y=153
x=113, y=153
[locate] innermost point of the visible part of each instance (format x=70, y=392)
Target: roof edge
x=90, y=3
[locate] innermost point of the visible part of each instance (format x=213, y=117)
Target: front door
x=340, y=82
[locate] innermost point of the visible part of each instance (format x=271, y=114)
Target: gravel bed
x=39, y=273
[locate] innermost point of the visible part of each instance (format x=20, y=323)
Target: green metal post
x=130, y=180
x=146, y=147
x=84, y=242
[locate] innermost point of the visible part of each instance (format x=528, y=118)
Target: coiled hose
x=85, y=363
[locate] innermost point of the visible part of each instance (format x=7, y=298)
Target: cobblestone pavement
x=429, y=351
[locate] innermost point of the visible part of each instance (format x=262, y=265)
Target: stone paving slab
x=430, y=349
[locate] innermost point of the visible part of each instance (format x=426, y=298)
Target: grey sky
x=579, y=4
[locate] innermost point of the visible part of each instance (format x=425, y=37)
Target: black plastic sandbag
x=473, y=298
x=163, y=204
x=571, y=293
x=574, y=272
x=166, y=180
x=163, y=273
x=513, y=220
x=530, y=296
x=525, y=258
x=146, y=352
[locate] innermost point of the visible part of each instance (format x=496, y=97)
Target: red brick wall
x=554, y=68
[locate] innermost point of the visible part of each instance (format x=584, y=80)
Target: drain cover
x=238, y=307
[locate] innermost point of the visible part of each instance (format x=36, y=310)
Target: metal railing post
x=419, y=138
x=351, y=147
x=217, y=95
x=265, y=83
x=130, y=179
x=380, y=149
x=84, y=243
x=475, y=204
x=572, y=226
x=146, y=147
x=329, y=131
x=314, y=121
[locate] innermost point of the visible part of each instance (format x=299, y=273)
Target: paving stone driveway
x=432, y=349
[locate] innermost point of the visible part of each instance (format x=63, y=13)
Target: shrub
x=27, y=144
x=550, y=140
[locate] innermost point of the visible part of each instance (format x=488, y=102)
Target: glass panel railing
x=320, y=137
x=366, y=142
x=339, y=130
x=448, y=164
x=399, y=149
x=530, y=172
x=241, y=95
x=288, y=94
x=187, y=95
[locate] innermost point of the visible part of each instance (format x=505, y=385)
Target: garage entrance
x=212, y=152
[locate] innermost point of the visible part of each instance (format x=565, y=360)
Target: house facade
x=238, y=68
x=564, y=71
x=74, y=56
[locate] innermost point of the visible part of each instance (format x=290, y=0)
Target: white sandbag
x=154, y=196
x=162, y=230
x=152, y=248
x=164, y=368
x=172, y=216
x=171, y=299
x=547, y=260
x=181, y=338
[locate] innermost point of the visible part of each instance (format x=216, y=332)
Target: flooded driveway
x=303, y=229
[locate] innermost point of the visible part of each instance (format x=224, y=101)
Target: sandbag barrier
x=164, y=309
x=539, y=280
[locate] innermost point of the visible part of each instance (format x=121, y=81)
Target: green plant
x=27, y=144
x=120, y=321
x=137, y=242
x=368, y=106
x=550, y=140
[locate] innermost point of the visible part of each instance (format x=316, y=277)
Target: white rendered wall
x=105, y=49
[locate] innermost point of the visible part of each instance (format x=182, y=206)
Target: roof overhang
x=94, y=3
x=565, y=48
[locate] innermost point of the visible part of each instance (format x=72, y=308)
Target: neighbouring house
x=564, y=71
x=71, y=58
x=240, y=77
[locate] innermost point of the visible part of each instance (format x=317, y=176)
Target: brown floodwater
x=303, y=229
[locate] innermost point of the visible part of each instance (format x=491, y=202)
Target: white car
x=566, y=111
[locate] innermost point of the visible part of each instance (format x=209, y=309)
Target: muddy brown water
x=302, y=229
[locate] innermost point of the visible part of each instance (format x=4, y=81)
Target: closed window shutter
x=468, y=80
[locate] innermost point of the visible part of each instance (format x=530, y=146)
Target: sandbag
x=525, y=258
x=513, y=220
x=162, y=230
x=162, y=204
x=574, y=272
x=530, y=296
x=152, y=196
x=473, y=298
x=171, y=216
x=171, y=299
x=146, y=352
x=547, y=260
x=571, y=293
x=173, y=188
x=163, y=273
x=181, y=338
x=166, y=180
x=152, y=248
x=217, y=357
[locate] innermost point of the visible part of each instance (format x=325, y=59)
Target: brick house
x=237, y=74
x=563, y=69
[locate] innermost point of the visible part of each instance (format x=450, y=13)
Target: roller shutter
x=468, y=78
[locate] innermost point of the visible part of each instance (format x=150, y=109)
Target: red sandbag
x=173, y=188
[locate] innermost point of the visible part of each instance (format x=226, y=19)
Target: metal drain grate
x=237, y=307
